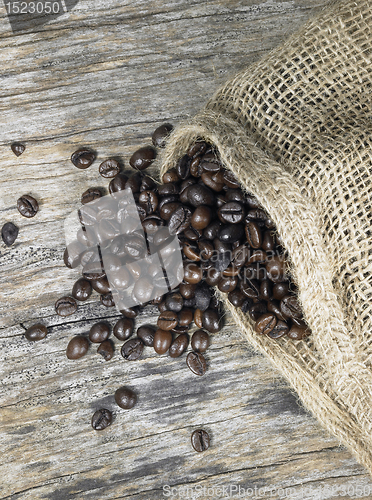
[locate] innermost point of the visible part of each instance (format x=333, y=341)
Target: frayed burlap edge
x=343, y=412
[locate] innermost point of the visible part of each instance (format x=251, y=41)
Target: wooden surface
x=105, y=75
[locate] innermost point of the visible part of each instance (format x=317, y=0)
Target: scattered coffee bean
x=107, y=300
x=179, y=345
x=200, y=440
x=200, y=341
x=82, y=289
x=132, y=349
x=106, y=350
x=65, y=306
x=109, y=168
x=167, y=320
x=196, y=362
x=36, y=332
x=27, y=206
x=9, y=233
x=125, y=398
x=83, y=158
x=101, y=419
x=77, y=347
x=18, y=148
x=123, y=329
x=143, y=158
x=90, y=195
x=161, y=134
x=99, y=332
x=162, y=341
x=146, y=333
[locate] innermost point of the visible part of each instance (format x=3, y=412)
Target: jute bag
x=296, y=129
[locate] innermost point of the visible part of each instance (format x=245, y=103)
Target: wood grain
x=105, y=75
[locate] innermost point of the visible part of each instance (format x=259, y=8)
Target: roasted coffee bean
x=109, y=168
x=211, y=321
x=193, y=273
x=192, y=234
x=27, y=206
x=200, y=341
x=230, y=180
x=118, y=183
x=299, y=322
x=290, y=307
x=280, y=329
x=82, y=289
x=83, y=158
x=280, y=290
x=185, y=317
x=161, y=134
x=198, y=318
x=268, y=243
x=214, y=180
x=235, y=195
x=258, y=309
x=179, y=220
x=99, y=332
x=228, y=283
x=250, y=288
x=266, y=289
x=231, y=271
x=206, y=249
x=183, y=167
x=146, y=333
x=93, y=271
x=18, y=148
x=170, y=176
x=256, y=215
x=198, y=194
x=236, y=298
x=168, y=189
x=231, y=212
x=130, y=312
x=201, y=217
x=101, y=419
x=162, y=307
x=142, y=290
x=106, y=349
x=167, y=210
x=297, y=333
x=231, y=233
x=101, y=285
x=107, y=300
x=147, y=184
x=36, y=332
x=196, y=362
x=187, y=290
x=9, y=233
x=212, y=231
x=254, y=271
x=179, y=345
x=72, y=255
x=202, y=297
x=65, y=306
x=195, y=168
x=200, y=440
x=253, y=234
x=257, y=256
x=247, y=304
x=265, y=323
x=143, y=158
x=125, y=398
x=174, y=302
x=275, y=268
x=167, y=320
x=191, y=251
x=273, y=306
x=77, y=347
x=90, y=195
x=197, y=149
x=162, y=340
x=123, y=328
x=132, y=349
x=149, y=201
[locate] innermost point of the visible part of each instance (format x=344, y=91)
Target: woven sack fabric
x=296, y=129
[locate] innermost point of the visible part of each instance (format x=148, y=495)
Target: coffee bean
x=27, y=206
x=273, y=306
x=230, y=180
x=236, y=298
x=82, y=289
x=9, y=233
x=196, y=169
x=290, y=307
x=174, y=302
x=72, y=254
x=297, y=333
x=106, y=349
x=83, y=158
x=179, y=220
x=187, y=290
x=90, y=195
x=99, y=332
x=227, y=283
x=109, y=168
x=253, y=234
x=123, y=328
x=143, y=158
x=65, y=306
x=118, y=183
x=161, y=134
x=149, y=201
x=266, y=289
x=280, y=329
x=214, y=180
x=197, y=149
x=129, y=312
x=142, y=290
x=275, y=268
x=77, y=347
x=250, y=288
x=198, y=318
x=198, y=194
x=101, y=285
x=162, y=340
x=191, y=251
x=265, y=323
x=101, y=419
x=18, y=148
x=168, y=189
x=170, y=176
x=36, y=332
x=280, y=290
x=231, y=233
x=202, y=297
x=107, y=300
x=183, y=167
x=200, y=440
x=211, y=321
x=213, y=276
x=193, y=274
x=268, y=243
x=185, y=317
x=231, y=212
x=196, y=362
x=132, y=349
x=201, y=217
x=146, y=333
x=212, y=231
x=200, y=341
x=179, y=345
x=125, y=398
x=167, y=320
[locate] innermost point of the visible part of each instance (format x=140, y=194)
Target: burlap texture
x=295, y=128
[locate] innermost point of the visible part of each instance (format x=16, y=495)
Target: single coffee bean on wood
x=167, y=320
x=18, y=148
x=83, y=158
x=36, y=332
x=109, y=168
x=143, y=158
x=107, y=300
x=123, y=328
x=132, y=349
x=77, y=347
x=179, y=345
x=27, y=206
x=90, y=195
x=101, y=419
x=161, y=134
x=99, y=332
x=9, y=233
x=106, y=349
x=265, y=323
x=82, y=289
x=196, y=362
x=200, y=440
x=65, y=306
x=162, y=341
x=200, y=341
x=125, y=398
x=146, y=333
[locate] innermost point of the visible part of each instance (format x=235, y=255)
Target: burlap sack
x=295, y=128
